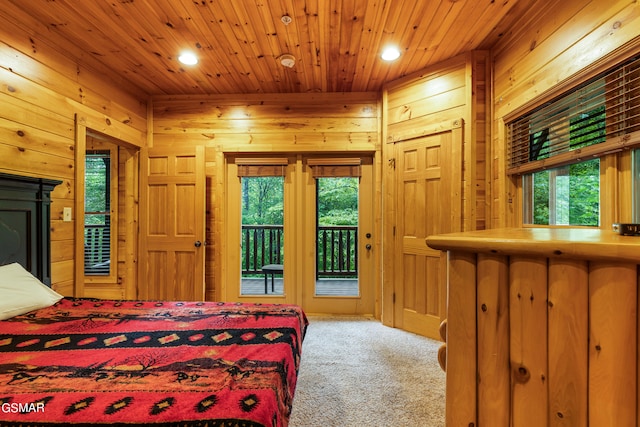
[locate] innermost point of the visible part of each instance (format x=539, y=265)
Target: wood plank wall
x=540, y=55
x=264, y=123
x=452, y=90
x=41, y=94
x=456, y=89
x=42, y=91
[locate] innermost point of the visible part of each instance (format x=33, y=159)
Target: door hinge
x=393, y=298
x=394, y=230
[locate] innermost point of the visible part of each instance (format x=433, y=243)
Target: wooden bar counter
x=542, y=327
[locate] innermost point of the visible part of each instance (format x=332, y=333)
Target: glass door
x=300, y=232
x=337, y=236
x=338, y=271
x=262, y=236
x=257, y=221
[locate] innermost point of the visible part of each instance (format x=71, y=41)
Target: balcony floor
x=324, y=287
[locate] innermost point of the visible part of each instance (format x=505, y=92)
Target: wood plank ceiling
x=336, y=43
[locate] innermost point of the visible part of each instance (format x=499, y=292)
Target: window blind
x=255, y=167
x=600, y=116
x=335, y=167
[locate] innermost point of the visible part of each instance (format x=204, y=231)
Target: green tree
x=584, y=186
x=263, y=200
x=96, y=186
x=337, y=201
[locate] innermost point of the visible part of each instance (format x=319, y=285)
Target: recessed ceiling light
x=390, y=53
x=188, y=58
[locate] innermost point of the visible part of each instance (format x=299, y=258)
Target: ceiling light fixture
x=390, y=53
x=286, y=19
x=188, y=58
x=287, y=60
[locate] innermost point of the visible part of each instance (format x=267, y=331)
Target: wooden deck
x=324, y=287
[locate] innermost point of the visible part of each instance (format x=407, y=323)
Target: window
x=262, y=230
x=337, y=224
x=568, y=195
x=262, y=217
x=556, y=148
x=337, y=234
x=99, y=223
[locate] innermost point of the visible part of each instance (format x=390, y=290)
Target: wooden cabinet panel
x=612, y=343
x=492, y=309
x=572, y=334
x=568, y=341
x=528, y=340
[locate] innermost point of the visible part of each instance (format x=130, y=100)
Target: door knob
x=368, y=246
x=197, y=244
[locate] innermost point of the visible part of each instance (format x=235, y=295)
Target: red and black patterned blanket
x=86, y=361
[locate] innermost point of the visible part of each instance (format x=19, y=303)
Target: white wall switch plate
x=66, y=214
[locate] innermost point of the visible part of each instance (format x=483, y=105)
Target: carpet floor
x=357, y=372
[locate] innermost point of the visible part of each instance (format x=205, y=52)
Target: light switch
x=66, y=214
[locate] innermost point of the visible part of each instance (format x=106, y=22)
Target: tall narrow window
x=337, y=224
x=337, y=236
x=98, y=221
x=262, y=233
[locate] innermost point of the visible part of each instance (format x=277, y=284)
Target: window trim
x=635, y=185
x=615, y=158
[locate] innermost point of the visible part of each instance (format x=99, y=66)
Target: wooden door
x=428, y=173
x=172, y=220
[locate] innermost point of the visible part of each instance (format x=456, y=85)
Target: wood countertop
x=570, y=243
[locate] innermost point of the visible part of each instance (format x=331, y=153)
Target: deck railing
x=337, y=249
x=97, y=249
x=261, y=245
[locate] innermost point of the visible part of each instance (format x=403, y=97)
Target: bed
x=105, y=362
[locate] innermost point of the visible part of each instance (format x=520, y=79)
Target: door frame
x=392, y=295
x=365, y=302
x=298, y=251
x=125, y=137
x=230, y=289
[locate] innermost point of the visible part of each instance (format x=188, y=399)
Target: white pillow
x=21, y=292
